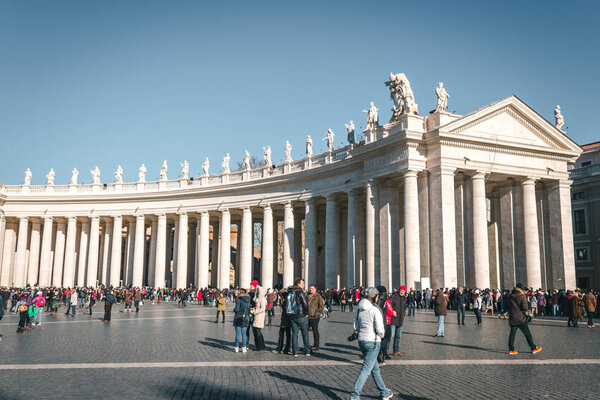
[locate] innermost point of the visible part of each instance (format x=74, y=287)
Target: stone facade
x=472, y=200
x=585, y=198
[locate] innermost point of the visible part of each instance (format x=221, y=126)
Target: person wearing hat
x=368, y=323
x=39, y=302
x=477, y=306
x=518, y=320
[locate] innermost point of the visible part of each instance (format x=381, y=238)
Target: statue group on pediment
x=402, y=95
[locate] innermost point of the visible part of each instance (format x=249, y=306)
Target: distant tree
x=254, y=164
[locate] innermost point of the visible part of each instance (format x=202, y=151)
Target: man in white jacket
x=368, y=322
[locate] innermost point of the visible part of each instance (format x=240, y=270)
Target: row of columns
x=402, y=244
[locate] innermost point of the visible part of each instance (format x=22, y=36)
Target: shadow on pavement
x=325, y=390
x=466, y=346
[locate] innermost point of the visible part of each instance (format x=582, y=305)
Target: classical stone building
x=481, y=200
x=585, y=195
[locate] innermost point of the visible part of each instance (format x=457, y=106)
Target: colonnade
x=434, y=228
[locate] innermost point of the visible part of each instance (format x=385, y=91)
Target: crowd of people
x=378, y=314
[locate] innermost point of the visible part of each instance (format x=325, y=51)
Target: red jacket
x=389, y=312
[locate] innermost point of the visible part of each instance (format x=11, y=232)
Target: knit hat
x=381, y=289
x=254, y=283
x=403, y=288
x=371, y=293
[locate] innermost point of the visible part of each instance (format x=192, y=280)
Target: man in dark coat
x=109, y=300
x=398, y=300
x=461, y=303
x=440, y=309
x=518, y=320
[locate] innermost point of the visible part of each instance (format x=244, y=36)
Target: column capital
x=161, y=216
x=331, y=197
x=442, y=170
x=287, y=204
x=46, y=219
x=267, y=206
x=246, y=210
x=72, y=218
x=116, y=217
x=411, y=173
x=25, y=219
x=225, y=211
x=95, y=217
x=528, y=181
x=182, y=214
x=478, y=175
x=138, y=217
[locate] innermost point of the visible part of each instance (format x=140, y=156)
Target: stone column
x=443, y=224
x=45, y=253
x=152, y=254
x=246, y=249
x=532, y=240
x=129, y=252
x=310, y=242
x=214, y=269
x=69, y=273
x=116, y=248
x=331, y=256
x=480, y=232
x=21, y=258
x=2, y=236
x=182, y=242
x=106, y=253
x=298, y=244
x=460, y=221
x=267, y=248
x=507, y=245
x=10, y=242
x=203, y=246
x=288, y=245
x=225, y=256
x=59, y=254
x=139, y=250
x=561, y=236
x=161, y=251
x=92, y=273
x=412, y=251
x=352, y=243
x=34, y=253
x=423, y=188
x=371, y=202
x=83, y=252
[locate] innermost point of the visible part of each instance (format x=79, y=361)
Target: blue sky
x=86, y=83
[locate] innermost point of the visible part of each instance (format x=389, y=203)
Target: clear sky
x=86, y=83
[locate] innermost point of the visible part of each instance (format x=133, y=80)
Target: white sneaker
x=389, y=396
x=237, y=349
x=244, y=349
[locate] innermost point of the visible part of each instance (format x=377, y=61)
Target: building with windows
x=585, y=202
x=443, y=200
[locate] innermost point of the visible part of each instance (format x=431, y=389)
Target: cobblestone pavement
x=166, y=352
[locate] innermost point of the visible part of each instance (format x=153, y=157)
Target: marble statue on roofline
x=402, y=95
x=96, y=175
x=267, y=151
x=372, y=117
x=329, y=140
x=442, y=97
x=142, y=174
x=185, y=169
x=74, y=176
x=247, y=161
x=205, y=166
x=560, y=121
x=225, y=164
x=288, y=151
x=350, y=131
x=309, y=145
x=27, y=177
x=163, y=171
x=50, y=177
x=119, y=175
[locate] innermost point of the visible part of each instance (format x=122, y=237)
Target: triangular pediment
x=512, y=122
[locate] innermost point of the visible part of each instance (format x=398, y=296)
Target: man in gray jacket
x=368, y=323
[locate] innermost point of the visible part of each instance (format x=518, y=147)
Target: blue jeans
x=460, y=311
x=369, y=367
x=302, y=324
x=396, y=331
x=411, y=306
x=555, y=310
x=440, y=331
x=38, y=315
x=241, y=331
x=478, y=315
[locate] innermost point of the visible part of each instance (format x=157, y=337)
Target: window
x=579, y=222
x=583, y=283
x=582, y=254
x=586, y=164
x=578, y=196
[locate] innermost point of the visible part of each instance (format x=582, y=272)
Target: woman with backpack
x=241, y=321
x=39, y=302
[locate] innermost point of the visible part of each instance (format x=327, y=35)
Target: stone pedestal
x=118, y=187
x=204, y=180
x=49, y=189
x=225, y=178
x=72, y=188
x=162, y=185
x=183, y=183
x=25, y=189
x=95, y=188
x=140, y=186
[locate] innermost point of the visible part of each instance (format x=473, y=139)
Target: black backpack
x=291, y=303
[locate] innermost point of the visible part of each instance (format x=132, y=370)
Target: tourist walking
x=461, y=304
x=259, y=311
x=128, y=302
x=109, y=300
x=240, y=321
x=316, y=305
x=590, y=307
x=38, y=302
x=137, y=299
x=518, y=319
x=368, y=324
x=398, y=300
x=477, y=306
x=440, y=308
x=221, y=307
x=573, y=308
x=297, y=308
